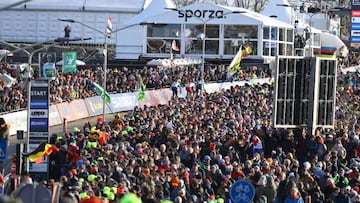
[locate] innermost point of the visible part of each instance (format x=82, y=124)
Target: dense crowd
x=67, y=87
x=193, y=149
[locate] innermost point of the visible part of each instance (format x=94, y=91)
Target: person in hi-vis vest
x=49, y=70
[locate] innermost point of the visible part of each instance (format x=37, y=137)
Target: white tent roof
x=278, y=8
x=93, y=5
x=151, y=8
x=246, y=18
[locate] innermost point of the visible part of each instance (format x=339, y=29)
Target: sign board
x=47, y=69
x=242, y=191
x=3, y=149
x=38, y=121
x=69, y=62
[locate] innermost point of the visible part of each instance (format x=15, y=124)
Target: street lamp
x=204, y=22
x=106, y=35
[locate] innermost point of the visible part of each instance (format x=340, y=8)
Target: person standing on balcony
x=67, y=31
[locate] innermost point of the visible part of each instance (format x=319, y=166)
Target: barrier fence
x=93, y=106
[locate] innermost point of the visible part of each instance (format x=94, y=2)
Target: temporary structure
x=173, y=63
x=78, y=63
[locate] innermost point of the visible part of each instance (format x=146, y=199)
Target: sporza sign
x=200, y=14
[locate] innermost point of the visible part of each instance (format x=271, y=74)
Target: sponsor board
x=39, y=104
x=355, y=45
x=355, y=33
x=39, y=125
x=355, y=39
x=39, y=113
x=355, y=26
x=355, y=19
x=187, y=14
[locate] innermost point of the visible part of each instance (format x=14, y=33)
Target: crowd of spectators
x=67, y=87
x=193, y=149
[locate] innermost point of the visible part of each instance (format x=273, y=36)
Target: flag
x=235, y=63
x=100, y=91
x=44, y=149
x=174, y=46
x=69, y=62
x=109, y=27
x=141, y=95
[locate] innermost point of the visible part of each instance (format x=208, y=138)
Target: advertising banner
x=73, y=110
x=94, y=105
x=54, y=117
x=69, y=62
x=123, y=102
x=38, y=120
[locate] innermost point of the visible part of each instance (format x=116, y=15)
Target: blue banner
x=3, y=149
x=39, y=104
x=355, y=39
x=39, y=124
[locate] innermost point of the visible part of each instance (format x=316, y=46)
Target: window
x=274, y=33
x=241, y=31
x=289, y=35
x=163, y=30
x=266, y=32
x=281, y=34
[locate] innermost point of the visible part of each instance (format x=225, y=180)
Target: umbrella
x=5, y=52
x=78, y=63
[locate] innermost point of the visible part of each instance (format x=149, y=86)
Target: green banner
x=69, y=62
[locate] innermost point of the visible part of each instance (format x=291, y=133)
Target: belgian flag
x=44, y=149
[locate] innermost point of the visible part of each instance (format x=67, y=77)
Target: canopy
x=151, y=8
x=172, y=63
x=78, y=63
x=5, y=52
x=240, y=16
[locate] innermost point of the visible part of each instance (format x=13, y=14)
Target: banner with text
x=38, y=119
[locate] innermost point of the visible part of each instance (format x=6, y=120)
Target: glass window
x=290, y=35
x=317, y=39
x=282, y=49
x=281, y=34
x=289, y=49
x=266, y=48
x=196, y=46
x=196, y=31
x=241, y=31
x=156, y=46
x=266, y=32
x=274, y=51
x=274, y=33
x=231, y=48
x=212, y=31
x=163, y=30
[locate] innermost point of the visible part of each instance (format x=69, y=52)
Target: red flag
x=174, y=46
x=109, y=27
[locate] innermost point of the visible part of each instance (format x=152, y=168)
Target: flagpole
x=105, y=71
